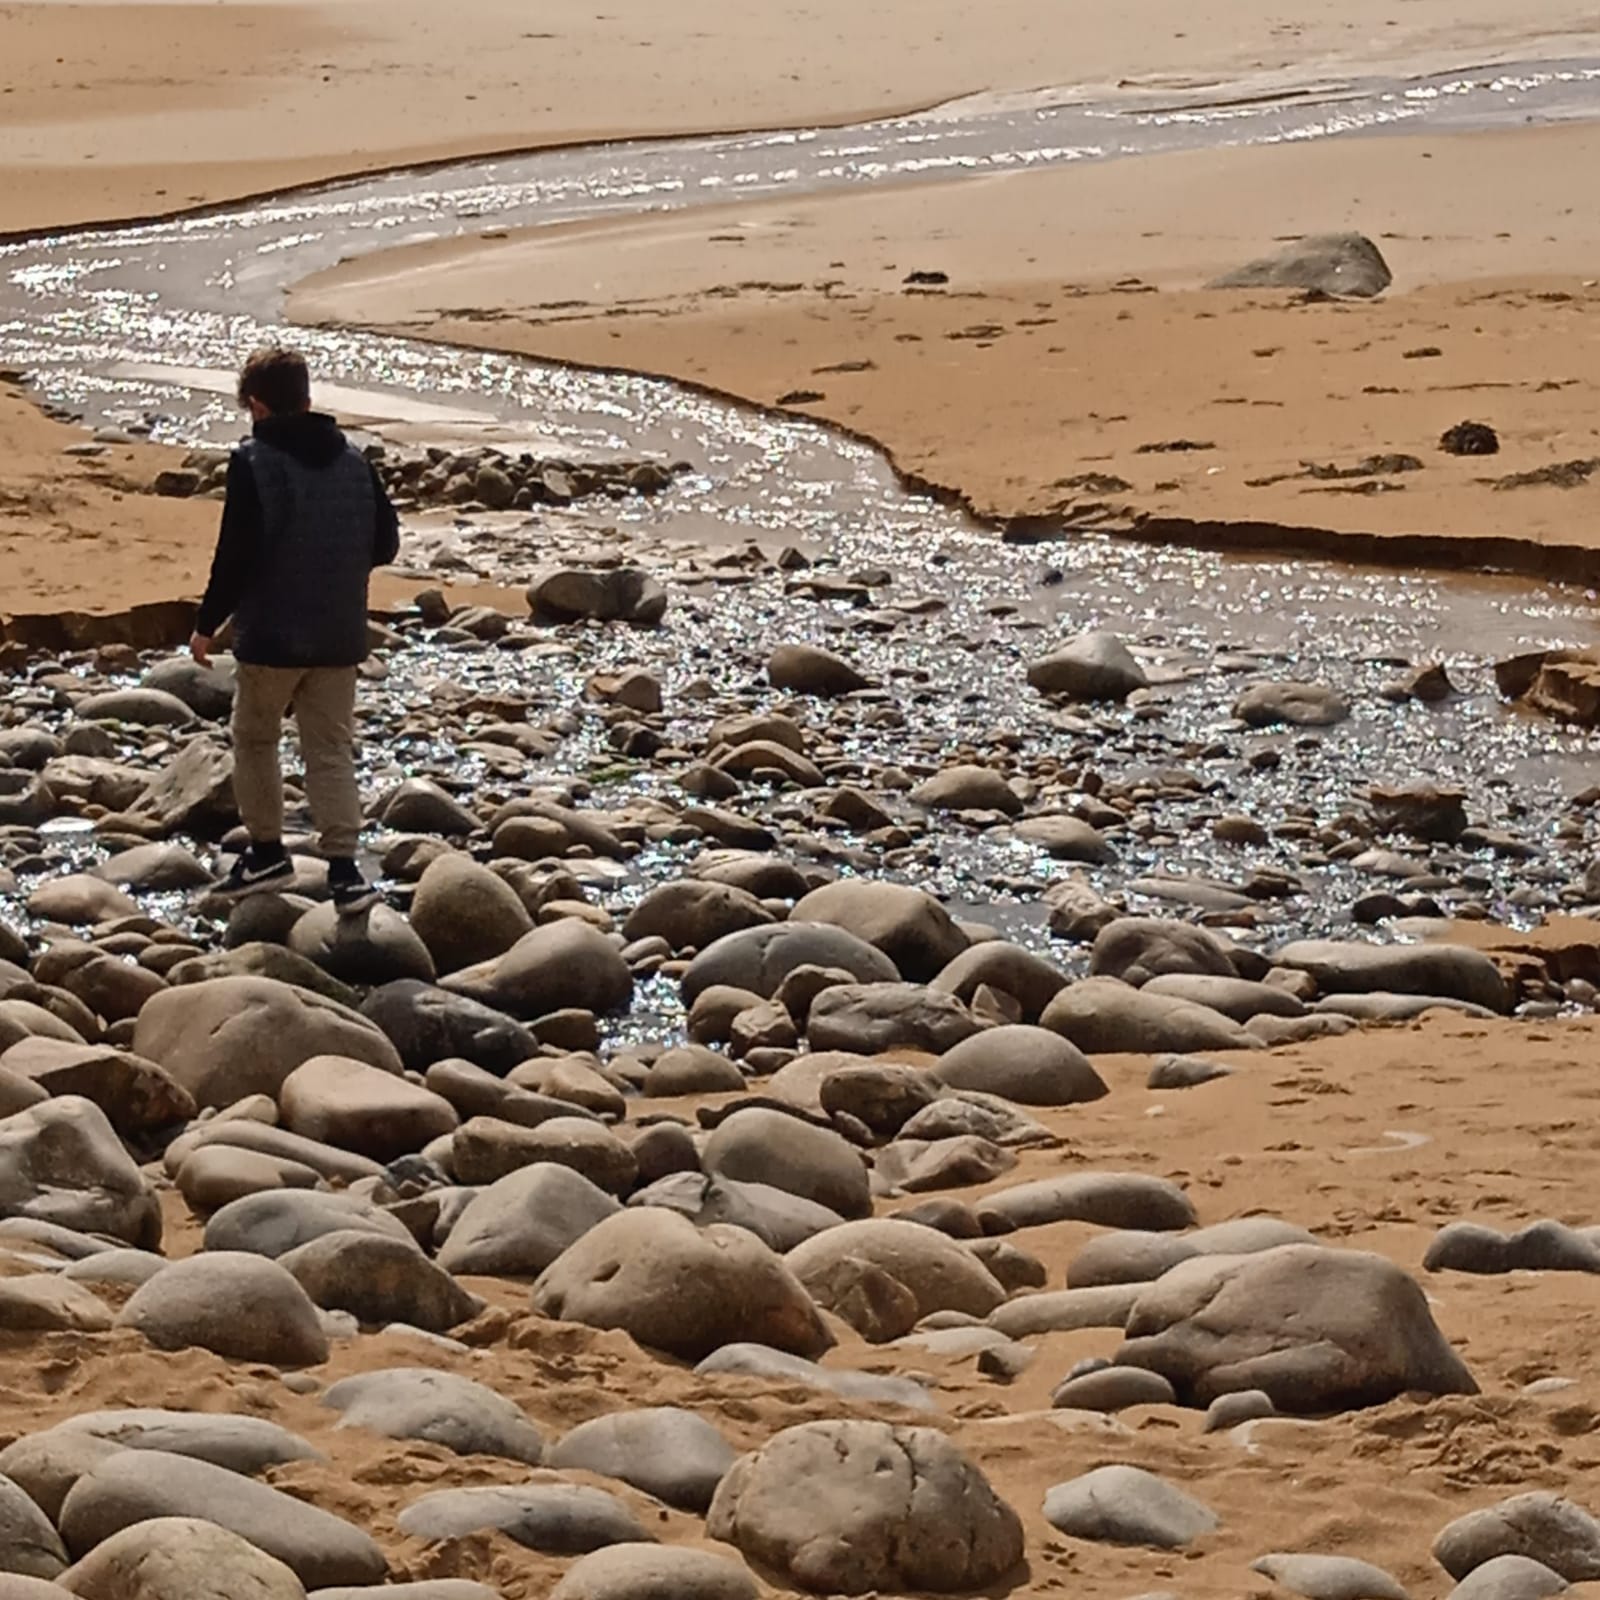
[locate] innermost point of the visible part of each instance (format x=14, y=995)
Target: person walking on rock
x=304, y=523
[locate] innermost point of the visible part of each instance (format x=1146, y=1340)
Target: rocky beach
x=979, y=756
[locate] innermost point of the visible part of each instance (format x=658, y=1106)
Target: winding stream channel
x=139, y=326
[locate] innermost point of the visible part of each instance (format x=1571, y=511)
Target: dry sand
x=1073, y=342
x=130, y=108
x=85, y=534
x=1324, y=1135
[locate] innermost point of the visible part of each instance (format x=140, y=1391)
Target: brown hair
x=278, y=378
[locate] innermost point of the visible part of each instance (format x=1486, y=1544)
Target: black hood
x=313, y=438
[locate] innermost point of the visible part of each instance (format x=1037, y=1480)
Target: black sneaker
x=349, y=888
x=258, y=867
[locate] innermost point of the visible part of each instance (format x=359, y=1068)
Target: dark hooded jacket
x=304, y=523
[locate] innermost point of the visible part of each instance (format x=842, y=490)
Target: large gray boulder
x=1106, y=1199
x=241, y=1306
x=910, y=927
x=757, y=1145
x=780, y=1220
x=673, y=1454
x=759, y=959
x=1289, y=703
x=806, y=669
x=1105, y=1016
x=1137, y=949
x=1127, y=1505
x=376, y=946
x=870, y=1019
x=1092, y=666
x=693, y=913
x=940, y=1273
x=616, y=594
x=232, y=1037
x=564, y=964
x=997, y=964
x=853, y=1507
x=137, y=1095
x=1031, y=1066
x=464, y=913
x=1539, y=1526
x=62, y=1162
x=761, y=1361
x=1330, y=263
x=1321, y=1577
x=1316, y=1329
x=29, y=1546
x=178, y=1558
x=1449, y=971
x=519, y=1225
x=273, y=1223
x=561, y=1519
x=967, y=788
x=486, y=1149
x=380, y=1281
x=1509, y=1578
x=436, y=1407
x=340, y=1101
x=240, y=1443
x=135, y=1486
x=680, y=1289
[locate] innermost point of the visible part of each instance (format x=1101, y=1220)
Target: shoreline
x=112, y=110
x=999, y=388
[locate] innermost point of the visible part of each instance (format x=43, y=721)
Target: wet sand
x=128, y=108
x=1072, y=346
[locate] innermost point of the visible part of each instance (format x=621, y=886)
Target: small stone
x=1126, y=1505
x=1329, y=1577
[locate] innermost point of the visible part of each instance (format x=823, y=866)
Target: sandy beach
x=1016, y=957
x=128, y=108
x=1072, y=372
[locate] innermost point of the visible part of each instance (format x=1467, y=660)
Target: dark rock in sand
x=1449, y=971
x=761, y=1146
x=874, y=1018
x=1328, y=263
x=379, y=1280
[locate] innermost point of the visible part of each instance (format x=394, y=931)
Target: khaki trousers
x=324, y=704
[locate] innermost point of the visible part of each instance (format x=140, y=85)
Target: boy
x=304, y=523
